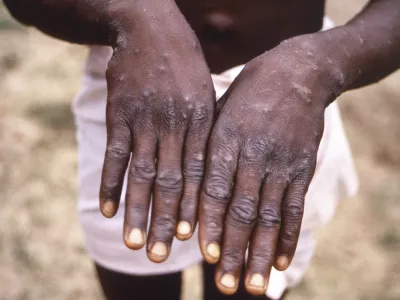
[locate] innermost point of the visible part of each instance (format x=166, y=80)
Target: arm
x=160, y=106
x=99, y=22
x=367, y=48
x=84, y=22
x=264, y=143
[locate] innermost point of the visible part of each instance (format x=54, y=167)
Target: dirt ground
x=41, y=250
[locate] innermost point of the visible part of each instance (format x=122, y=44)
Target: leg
x=211, y=292
x=118, y=286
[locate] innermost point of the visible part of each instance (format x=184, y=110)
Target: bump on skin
x=162, y=69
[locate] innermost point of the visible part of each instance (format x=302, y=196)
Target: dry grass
x=41, y=252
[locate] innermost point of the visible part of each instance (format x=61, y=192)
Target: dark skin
x=262, y=137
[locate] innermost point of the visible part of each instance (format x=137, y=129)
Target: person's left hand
x=261, y=159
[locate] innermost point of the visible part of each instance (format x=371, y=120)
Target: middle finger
x=167, y=193
x=264, y=240
x=240, y=219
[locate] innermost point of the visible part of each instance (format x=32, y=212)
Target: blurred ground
x=41, y=252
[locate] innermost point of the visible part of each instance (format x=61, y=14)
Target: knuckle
x=137, y=209
x=171, y=115
x=169, y=181
x=243, y=211
x=111, y=179
x=218, y=188
x=188, y=204
x=288, y=237
x=202, y=114
x=111, y=187
x=108, y=189
x=165, y=223
x=225, y=132
x=194, y=169
x=283, y=155
x=294, y=210
x=269, y=217
x=137, y=215
x=143, y=171
x=299, y=186
x=263, y=255
x=255, y=149
x=119, y=109
x=117, y=151
x=306, y=162
x=277, y=176
x=214, y=225
x=233, y=256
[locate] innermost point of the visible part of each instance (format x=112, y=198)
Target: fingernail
x=136, y=238
x=213, y=250
x=228, y=280
x=282, y=262
x=184, y=228
x=257, y=280
x=108, y=208
x=159, y=249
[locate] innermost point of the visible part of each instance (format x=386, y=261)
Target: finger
x=239, y=223
x=263, y=243
x=216, y=193
x=142, y=172
x=167, y=194
x=193, y=170
x=115, y=163
x=292, y=215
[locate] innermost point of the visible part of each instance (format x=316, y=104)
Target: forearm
x=85, y=21
x=367, y=48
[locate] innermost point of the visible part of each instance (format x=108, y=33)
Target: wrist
x=339, y=49
x=129, y=18
x=326, y=67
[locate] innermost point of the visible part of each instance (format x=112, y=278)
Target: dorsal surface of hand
x=160, y=111
x=261, y=159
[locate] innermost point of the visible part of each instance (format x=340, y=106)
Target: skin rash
x=264, y=132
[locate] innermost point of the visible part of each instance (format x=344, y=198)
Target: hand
x=159, y=115
x=261, y=159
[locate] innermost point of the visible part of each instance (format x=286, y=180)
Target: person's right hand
x=159, y=114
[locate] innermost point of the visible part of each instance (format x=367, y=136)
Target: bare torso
x=232, y=32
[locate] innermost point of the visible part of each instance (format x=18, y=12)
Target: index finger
x=216, y=193
x=142, y=172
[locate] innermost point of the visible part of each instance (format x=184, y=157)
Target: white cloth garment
x=334, y=179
